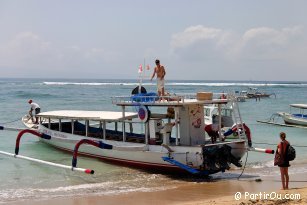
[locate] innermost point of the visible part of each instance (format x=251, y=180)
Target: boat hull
x=294, y=119
x=138, y=155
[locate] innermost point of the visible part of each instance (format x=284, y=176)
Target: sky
x=258, y=40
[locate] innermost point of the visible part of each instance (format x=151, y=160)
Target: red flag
x=140, y=68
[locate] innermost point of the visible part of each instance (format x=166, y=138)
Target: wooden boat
x=254, y=93
x=147, y=139
x=295, y=118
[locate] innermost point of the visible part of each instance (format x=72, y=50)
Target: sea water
x=22, y=180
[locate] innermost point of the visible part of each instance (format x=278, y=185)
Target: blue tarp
x=145, y=97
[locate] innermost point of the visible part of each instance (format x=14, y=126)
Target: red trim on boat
x=153, y=167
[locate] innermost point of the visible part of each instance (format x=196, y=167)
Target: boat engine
x=219, y=158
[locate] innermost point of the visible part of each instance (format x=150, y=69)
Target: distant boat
x=295, y=118
x=255, y=93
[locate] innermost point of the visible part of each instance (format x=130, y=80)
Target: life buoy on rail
x=143, y=113
x=246, y=129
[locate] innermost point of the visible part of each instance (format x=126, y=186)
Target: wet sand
x=216, y=192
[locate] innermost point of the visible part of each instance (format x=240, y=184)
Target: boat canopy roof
x=301, y=106
x=87, y=115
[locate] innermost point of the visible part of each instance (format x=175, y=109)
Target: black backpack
x=290, y=153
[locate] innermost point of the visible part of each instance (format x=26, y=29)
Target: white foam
x=94, y=83
x=215, y=84
x=140, y=184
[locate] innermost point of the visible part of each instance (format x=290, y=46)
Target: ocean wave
x=240, y=84
x=94, y=83
x=24, y=94
x=104, y=188
x=209, y=84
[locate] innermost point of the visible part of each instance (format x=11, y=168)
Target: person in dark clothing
x=282, y=148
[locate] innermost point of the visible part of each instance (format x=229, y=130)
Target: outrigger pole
x=44, y=136
x=11, y=128
x=254, y=149
x=87, y=171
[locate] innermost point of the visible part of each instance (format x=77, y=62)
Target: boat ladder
x=236, y=115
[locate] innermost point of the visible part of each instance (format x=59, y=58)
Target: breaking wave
x=210, y=84
x=90, y=189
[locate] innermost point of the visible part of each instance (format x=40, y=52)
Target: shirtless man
x=159, y=69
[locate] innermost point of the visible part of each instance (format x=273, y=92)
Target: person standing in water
x=160, y=71
x=282, y=149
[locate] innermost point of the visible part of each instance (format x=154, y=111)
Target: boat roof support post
x=60, y=125
x=130, y=126
x=146, y=132
x=219, y=106
x=86, y=127
x=72, y=126
x=49, y=123
x=123, y=124
x=177, y=124
x=104, y=129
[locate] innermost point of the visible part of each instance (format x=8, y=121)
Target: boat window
x=207, y=112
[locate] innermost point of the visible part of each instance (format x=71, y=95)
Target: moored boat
x=295, y=118
x=149, y=138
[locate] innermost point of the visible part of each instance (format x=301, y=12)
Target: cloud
x=263, y=43
x=195, y=34
x=27, y=52
x=25, y=48
x=199, y=42
x=261, y=53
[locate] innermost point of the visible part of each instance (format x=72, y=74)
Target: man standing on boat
x=160, y=71
x=36, y=107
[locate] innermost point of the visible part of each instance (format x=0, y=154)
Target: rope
x=3, y=123
x=243, y=166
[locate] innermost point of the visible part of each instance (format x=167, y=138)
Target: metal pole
x=130, y=127
x=220, y=121
x=72, y=126
x=176, y=124
x=86, y=127
x=60, y=125
x=104, y=129
x=87, y=171
x=123, y=124
x=146, y=132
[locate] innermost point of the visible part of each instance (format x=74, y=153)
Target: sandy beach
x=247, y=189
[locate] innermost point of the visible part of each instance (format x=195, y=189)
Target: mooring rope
x=243, y=166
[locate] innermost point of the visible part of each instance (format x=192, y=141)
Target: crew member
x=34, y=107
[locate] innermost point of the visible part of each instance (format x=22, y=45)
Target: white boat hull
x=137, y=155
x=293, y=120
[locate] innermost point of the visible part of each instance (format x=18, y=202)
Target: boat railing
x=154, y=99
x=148, y=99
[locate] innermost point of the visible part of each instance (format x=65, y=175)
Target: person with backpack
x=282, y=149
